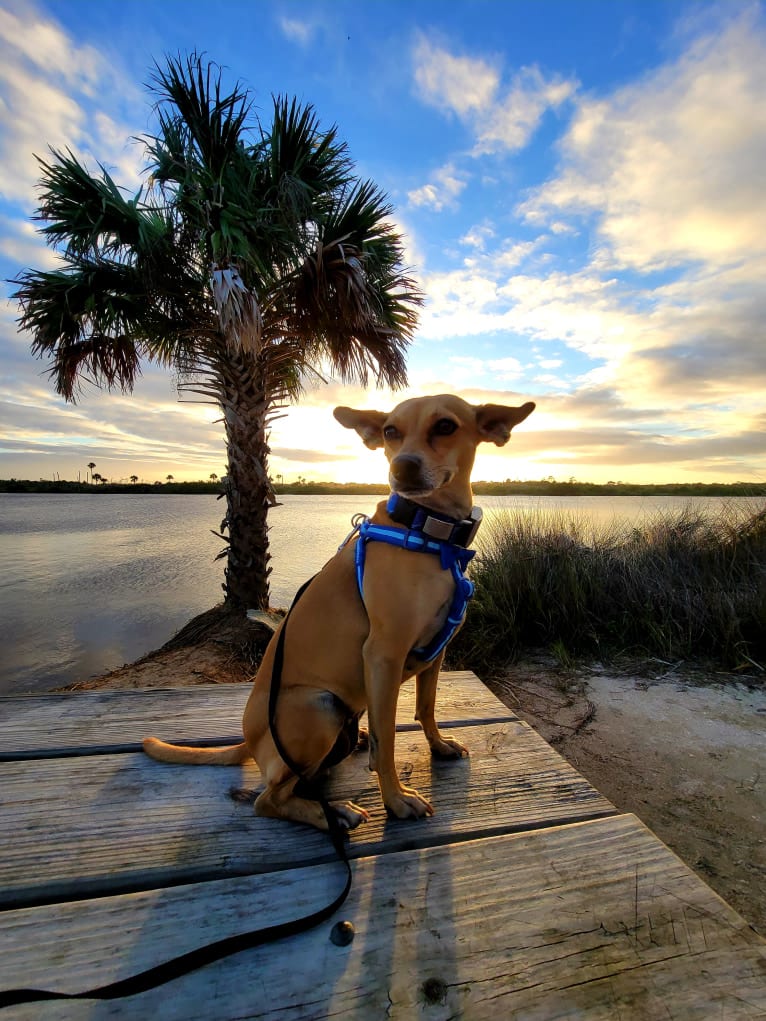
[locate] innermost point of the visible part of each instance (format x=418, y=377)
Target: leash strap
x=195, y=959
x=310, y=789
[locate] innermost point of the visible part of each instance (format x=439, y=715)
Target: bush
x=682, y=586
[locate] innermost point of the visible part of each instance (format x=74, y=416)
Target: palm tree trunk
x=248, y=491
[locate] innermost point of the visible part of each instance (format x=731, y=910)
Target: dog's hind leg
x=279, y=801
x=322, y=722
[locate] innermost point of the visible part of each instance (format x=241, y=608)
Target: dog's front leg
x=383, y=674
x=425, y=705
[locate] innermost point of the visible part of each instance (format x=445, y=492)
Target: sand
x=682, y=748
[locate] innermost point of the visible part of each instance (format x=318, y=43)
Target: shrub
x=677, y=586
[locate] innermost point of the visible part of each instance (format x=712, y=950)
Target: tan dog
x=343, y=655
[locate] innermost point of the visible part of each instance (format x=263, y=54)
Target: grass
x=682, y=586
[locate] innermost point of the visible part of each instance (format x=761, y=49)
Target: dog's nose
x=406, y=469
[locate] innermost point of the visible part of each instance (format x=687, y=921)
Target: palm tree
x=169, y=478
x=91, y=465
x=253, y=261
x=134, y=479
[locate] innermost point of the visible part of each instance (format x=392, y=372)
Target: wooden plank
x=111, y=823
x=87, y=722
x=589, y=922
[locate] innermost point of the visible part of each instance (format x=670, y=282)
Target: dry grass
x=678, y=586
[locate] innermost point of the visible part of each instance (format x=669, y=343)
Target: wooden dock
x=527, y=896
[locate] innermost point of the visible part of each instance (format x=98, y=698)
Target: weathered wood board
x=82, y=722
x=587, y=922
x=84, y=826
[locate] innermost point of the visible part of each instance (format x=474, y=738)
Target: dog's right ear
x=369, y=424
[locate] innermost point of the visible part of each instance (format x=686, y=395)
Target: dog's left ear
x=495, y=421
x=369, y=424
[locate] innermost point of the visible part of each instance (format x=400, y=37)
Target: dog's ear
x=369, y=424
x=495, y=421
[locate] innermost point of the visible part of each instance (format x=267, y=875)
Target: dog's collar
x=457, y=532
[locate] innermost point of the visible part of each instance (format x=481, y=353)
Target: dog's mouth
x=421, y=485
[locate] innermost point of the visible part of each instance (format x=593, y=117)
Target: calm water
x=91, y=582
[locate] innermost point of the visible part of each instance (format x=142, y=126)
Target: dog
x=356, y=635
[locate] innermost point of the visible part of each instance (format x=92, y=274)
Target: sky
x=580, y=186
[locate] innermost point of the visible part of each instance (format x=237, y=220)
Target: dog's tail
x=232, y=755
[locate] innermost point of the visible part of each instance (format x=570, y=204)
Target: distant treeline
x=542, y=487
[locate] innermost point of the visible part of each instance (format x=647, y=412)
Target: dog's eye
x=444, y=427
x=390, y=432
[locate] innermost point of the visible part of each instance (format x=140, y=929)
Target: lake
x=92, y=581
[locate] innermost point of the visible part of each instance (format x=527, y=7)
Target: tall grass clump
x=683, y=585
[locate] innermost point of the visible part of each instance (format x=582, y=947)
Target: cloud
x=662, y=312
x=502, y=117
x=443, y=189
x=671, y=166
x=478, y=236
x=297, y=30
x=305, y=456
x=20, y=242
x=460, y=85
x=50, y=86
x=505, y=368
x=121, y=433
x=511, y=122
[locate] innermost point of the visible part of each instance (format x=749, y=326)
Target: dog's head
x=430, y=442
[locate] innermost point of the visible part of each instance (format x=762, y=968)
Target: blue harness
x=453, y=558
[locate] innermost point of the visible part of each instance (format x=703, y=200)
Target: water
x=90, y=582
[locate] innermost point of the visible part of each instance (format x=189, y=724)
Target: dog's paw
x=408, y=804
x=363, y=741
x=349, y=815
x=448, y=748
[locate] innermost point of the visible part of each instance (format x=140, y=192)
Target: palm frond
x=350, y=303
x=213, y=119
x=92, y=318
x=85, y=213
x=306, y=165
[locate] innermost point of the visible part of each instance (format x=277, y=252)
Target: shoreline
x=541, y=487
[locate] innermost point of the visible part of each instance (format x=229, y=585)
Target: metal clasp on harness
x=356, y=523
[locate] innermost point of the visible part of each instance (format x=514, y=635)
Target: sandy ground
x=682, y=748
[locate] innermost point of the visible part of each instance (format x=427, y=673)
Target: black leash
x=185, y=963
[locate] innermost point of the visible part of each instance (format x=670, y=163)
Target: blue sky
x=581, y=189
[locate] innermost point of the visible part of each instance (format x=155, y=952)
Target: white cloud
x=462, y=85
x=663, y=173
x=48, y=86
x=20, y=242
x=505, y=369
x=443, y=189
x=502, y=118
x=47, y=46
x=510, y=122
x=297, y=30
x=478, y=236
x=672, y=166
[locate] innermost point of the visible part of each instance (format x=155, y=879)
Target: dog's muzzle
x=407, y=473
